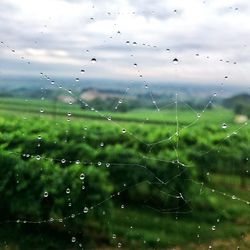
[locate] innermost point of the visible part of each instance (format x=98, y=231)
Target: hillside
x=239, y=103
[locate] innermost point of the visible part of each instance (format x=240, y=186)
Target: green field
x=167, y=116
x=145, y=186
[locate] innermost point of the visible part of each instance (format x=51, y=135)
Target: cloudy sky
x=134, y=40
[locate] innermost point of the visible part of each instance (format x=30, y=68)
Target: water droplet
x=85, y=210
x=175, y=60
x=41, y=110
x=38, y=157
x=122, y=206
x=119, y=245
x=82, y=71
x=73, y=239
x=224, y=125
x=213, y=228
x=67, y=191
x=77, y=79
x=123, y=130
x=82, y=176
x=63, y=161
x=99, y=163
x=107, y=165
x=114, y=236
x=101, y=144
x=198, y=115
x=93, y=60
x=45, y=194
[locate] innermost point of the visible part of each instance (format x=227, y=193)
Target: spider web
x=132, y=134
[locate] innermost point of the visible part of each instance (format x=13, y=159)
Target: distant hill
x=239, y=103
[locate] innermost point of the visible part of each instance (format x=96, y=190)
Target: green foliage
x=23, y=184
x=147, y=165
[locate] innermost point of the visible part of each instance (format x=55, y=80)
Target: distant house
x=240, y=118
x=92, y=94
x=66, y=99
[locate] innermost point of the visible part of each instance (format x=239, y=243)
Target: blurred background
x=124, y=124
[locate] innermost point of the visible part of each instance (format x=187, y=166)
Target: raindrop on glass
x=224, y=125
x=175, y=60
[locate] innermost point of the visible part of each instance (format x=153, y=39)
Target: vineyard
x=111, y=181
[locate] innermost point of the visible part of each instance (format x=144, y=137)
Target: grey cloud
x=215, y=36
x=154, y=9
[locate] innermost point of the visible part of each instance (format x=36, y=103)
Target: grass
x=167, y=116
x=142, y=226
